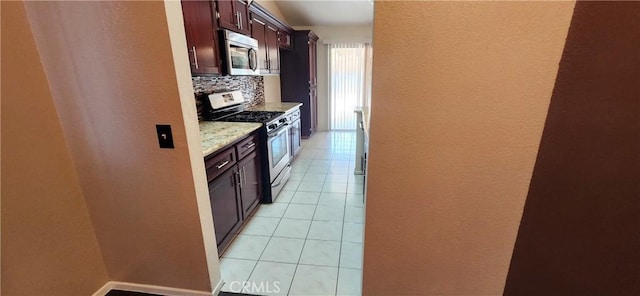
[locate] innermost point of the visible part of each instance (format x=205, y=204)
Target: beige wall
x=113, y=78
x=272, y=90
x=332, y=34
x=273, y=8
x=48, y=242
x=182, y=67
x=460, y=95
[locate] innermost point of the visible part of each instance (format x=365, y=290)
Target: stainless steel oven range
x=275, y=139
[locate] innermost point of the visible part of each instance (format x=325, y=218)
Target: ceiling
x=327, y=12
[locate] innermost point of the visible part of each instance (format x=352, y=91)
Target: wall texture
x=273, y=8
x=272, y=91
x=579, y=233
x=48, y=243
x=182, y=66
x=112, y=74
x=457, y=117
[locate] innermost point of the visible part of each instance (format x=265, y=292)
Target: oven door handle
x=280, y=129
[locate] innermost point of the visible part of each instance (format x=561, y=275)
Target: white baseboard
x=159, y=290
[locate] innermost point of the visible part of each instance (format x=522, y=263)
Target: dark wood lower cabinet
x=235, y=188
x=251, y=188
x=295, y=137
x=225, y=207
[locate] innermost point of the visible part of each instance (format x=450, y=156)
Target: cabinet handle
x=222, y=164
x=195, y=56
x=237, y=20
x=240, y=15
x=239, y=179
x=250, y=145
x=244, y=175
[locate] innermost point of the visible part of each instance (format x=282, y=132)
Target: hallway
x=309, y=241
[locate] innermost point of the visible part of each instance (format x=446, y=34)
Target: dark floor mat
x=129, y=293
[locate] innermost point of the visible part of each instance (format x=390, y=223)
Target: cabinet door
x=313, y=109
x=258, y=32
x=295, y=135
x=228, y=19
x=284, y=40
x=225, y=207
x=313, y=79
x=201, y=35
x=251, y=178
x=273, y=49
x=241, y=8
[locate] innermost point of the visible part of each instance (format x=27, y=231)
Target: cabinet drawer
x=247, y=146
x=220, y=162
x=295, y=115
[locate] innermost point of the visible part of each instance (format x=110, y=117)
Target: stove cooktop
x=253, y=116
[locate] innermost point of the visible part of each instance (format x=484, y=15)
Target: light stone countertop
x=365, y=118
x=278, y=107
x=217, y=134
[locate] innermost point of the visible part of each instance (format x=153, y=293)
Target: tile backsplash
x=252, y=87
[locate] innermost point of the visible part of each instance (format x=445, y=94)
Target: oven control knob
x=272, y=126
x=283, y=120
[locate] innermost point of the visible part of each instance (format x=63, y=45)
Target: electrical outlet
x=165, y=138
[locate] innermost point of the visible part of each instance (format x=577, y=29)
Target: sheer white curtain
x=348, y=87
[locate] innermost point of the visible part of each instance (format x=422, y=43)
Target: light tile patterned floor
x=309, y=241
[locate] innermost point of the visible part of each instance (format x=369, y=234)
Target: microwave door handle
x=253, y=59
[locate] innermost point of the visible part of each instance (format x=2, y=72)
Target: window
x=349, y=82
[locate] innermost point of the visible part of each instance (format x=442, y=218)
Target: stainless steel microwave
x=240, y=54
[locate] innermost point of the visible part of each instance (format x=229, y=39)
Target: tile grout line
x=302, y=250
x=265, y=247
x=270, y=237
x=326, y=153
x=344, y=217
x=307, y=235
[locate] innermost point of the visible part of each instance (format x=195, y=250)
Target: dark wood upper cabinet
x=259, y=32
x=284, y=39
x=201, y=33
x=298, y=78
x=273, y=49
x=234, y=15
x=242, y=8
x=268, y=48
x=227, y=18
